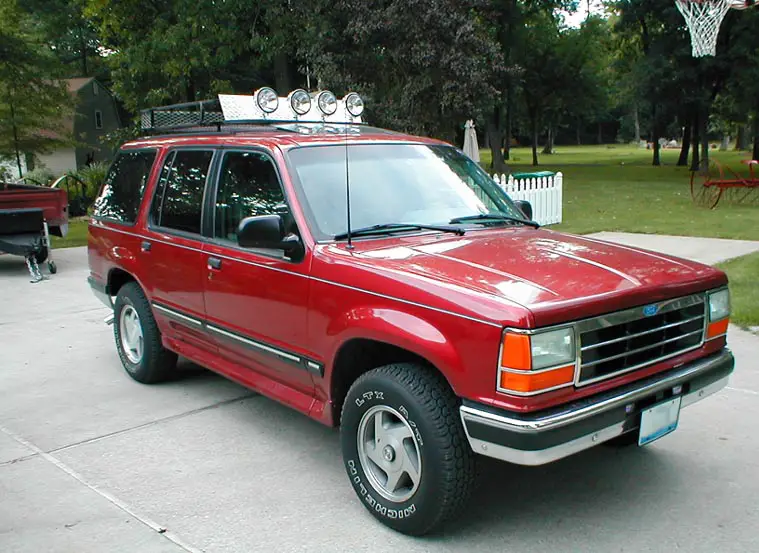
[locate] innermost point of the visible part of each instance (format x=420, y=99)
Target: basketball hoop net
x=704, y=18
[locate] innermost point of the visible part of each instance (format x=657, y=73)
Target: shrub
x=41, y=176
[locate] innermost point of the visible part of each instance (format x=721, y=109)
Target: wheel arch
x=369, y=343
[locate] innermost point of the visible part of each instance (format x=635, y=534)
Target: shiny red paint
x=53, y=201
x=445, y=298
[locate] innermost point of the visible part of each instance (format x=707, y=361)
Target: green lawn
x=743, y=273
x=77, y=235
x=615, y=188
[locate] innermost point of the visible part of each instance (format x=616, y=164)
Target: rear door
x=172, y=246
x=255, y=299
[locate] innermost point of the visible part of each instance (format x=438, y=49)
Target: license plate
x=659, y=420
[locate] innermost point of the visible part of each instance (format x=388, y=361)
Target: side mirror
x=525, y=207
x=268, y=231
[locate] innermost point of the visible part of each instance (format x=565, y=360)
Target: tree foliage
x=33, y=105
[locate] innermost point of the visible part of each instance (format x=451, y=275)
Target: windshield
x=393, y=183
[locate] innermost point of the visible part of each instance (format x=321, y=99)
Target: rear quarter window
x=124, y=186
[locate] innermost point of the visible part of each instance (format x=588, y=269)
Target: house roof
x=74, y=85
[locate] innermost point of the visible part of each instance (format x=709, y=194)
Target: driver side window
x=248, y=186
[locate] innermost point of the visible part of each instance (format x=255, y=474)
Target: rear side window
x=124, y=186
x=178, y=202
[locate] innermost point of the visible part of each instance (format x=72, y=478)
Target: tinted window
x=178, y=203
x=124, y=186
x=248, y=186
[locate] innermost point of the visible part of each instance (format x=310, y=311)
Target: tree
x=33, y=105
x=426, y=67
x=72, y=38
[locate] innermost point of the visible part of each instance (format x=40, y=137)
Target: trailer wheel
x=138, y=339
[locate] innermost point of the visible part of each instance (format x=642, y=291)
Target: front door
x=172, y=247
x=256, y=299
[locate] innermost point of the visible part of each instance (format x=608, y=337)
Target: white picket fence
x=543, y=193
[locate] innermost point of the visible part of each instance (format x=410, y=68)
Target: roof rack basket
x=203, y=115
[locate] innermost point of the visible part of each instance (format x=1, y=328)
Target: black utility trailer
x=25, y=232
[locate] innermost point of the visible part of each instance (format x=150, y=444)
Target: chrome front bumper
x=539, y=438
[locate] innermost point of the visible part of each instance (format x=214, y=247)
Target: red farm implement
x=719, y=181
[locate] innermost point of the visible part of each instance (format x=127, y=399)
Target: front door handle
x=145, y=246
x=214, y=263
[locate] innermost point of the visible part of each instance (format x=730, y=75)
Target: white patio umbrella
x=470, y=141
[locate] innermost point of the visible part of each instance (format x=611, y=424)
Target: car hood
x=558, y=277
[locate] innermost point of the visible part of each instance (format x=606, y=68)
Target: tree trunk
x=682, y=161
x=15, y=140
x=655, y=137
x=548, y=148
x=600, y=133
x=704, y=140
x=636, y=124
x=495, y=139
x=83, y=48
x=509, y=122
x=695, y=161
x=755, y=154
x=281, y=73
x=189, y=89
x=740, y=139
x=534, y=123
x=725, y=143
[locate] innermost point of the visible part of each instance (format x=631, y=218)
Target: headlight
x=553, y=348
x=327, y=102
x=267, y=99
x=300, y=101
x=536, y=363
x=719, y=313
x=719, y=305
x=354, y=104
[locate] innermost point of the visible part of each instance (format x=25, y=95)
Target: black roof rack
x=203, y=115
x=208, y=116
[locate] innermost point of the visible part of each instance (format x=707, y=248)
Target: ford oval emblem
x=650, y=310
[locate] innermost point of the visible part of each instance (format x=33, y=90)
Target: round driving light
x=327, y=102
x=354, y=104
x=267, y=99
x=300, y=101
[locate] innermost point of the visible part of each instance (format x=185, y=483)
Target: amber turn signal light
x=516, y=352
x=528, y=382
x=717, y=328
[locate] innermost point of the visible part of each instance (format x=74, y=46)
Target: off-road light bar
x=298, y=107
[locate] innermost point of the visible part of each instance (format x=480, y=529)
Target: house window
x=95, y=89
x=98, y=119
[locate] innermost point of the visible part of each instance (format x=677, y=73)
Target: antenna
x=347, y=192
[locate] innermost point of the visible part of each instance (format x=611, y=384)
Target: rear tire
x=405, y=449
x=138, y=339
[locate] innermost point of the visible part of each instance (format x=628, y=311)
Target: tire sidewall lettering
x=377, y=504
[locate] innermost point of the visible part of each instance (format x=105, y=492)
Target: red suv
x=430, y=321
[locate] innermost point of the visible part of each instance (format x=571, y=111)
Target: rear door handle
x=214, y=263
x=145, y=246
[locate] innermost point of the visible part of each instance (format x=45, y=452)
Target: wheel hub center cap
x=388, y=453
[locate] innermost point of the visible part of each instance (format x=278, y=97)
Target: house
x=95, y=114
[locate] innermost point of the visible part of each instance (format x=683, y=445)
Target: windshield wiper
x=483, y=217
x=387, y=228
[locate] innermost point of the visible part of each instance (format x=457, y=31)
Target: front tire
x=405, y=449
x=138, y=339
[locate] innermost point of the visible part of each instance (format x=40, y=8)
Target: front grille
x=627, y=340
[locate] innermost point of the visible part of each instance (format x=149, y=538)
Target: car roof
x=283, y=137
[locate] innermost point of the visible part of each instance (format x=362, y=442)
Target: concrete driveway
x=91, y=461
